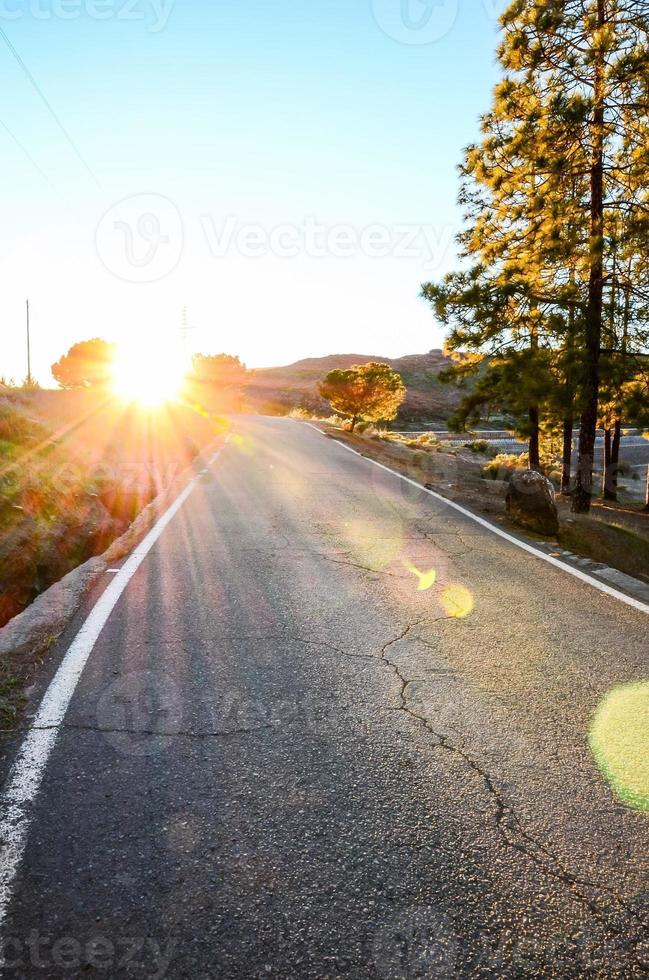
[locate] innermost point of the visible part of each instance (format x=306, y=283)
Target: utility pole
x=29, y=357
x=185, y=330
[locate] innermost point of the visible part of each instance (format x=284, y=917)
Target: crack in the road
x=353, y=564
x=507, y=823
x=152, y=733
x=434, y=536
x=273, y=638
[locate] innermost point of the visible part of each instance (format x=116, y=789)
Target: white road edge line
x=28, y=769
x=575, y=572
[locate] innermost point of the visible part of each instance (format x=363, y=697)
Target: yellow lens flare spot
x=376, y=546
x=148, y=377
x=222, y=425
x=619, y=741
x=426, y=579
x=244, y=444
x=457, y=601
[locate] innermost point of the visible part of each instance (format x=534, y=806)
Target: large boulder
x=531, y=502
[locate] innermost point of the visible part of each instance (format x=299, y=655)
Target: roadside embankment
x=81, y=483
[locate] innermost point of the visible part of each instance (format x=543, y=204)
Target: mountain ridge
x=276, y=390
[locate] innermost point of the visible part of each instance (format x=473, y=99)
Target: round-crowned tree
x=369, y=392
x=88, y=364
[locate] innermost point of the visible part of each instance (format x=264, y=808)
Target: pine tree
x=591, y=57
x=562, y=162
x=502, y=336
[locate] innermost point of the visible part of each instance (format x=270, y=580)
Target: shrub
x=306, y=415
x=503, y=465
x=426, y=441
x=478, y=446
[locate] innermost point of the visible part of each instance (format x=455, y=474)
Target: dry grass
x=75, y=469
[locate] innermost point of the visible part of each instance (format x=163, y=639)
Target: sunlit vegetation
x=216, y=383
x=88, y=364
x=76, y=467
x=550, y=313
x=369, y=392
x=306, y=415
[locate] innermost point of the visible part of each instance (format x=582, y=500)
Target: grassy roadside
x=76, y=469
x=612, y=535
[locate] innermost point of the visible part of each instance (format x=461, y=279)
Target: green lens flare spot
x=619, y=741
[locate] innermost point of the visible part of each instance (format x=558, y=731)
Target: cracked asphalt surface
x=283, y=760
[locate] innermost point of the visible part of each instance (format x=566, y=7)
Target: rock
x=531, y=502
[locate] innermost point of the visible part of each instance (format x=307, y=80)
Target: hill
x=279, y=389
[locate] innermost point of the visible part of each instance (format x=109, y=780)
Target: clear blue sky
x=231, y=118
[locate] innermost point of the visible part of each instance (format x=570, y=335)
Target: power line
x=26, y=152
x=49, y=106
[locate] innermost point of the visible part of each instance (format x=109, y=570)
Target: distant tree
x=217, y=381
x=637, y=404
x=369, y=392
x=88, y=364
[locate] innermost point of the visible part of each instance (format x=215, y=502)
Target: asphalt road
x=284, y=760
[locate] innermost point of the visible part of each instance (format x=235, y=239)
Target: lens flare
x=457, y=601
x=244, y=444
x=148, y=377
x=376, y=545
x=426, y=579
x=619, y=741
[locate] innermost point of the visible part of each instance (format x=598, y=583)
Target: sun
x=148, y=377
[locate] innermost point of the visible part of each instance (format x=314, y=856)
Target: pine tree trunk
x=568, y=421
x=607, y=464
x=534, y=452
x=612, y=484
x=567, y=455
x=582, y=496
